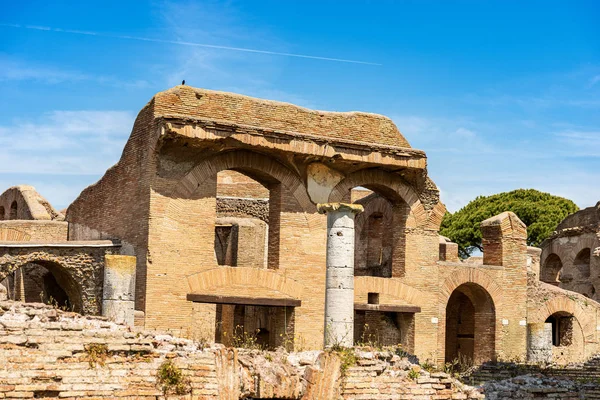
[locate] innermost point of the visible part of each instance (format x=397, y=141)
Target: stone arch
x=14, y=210
x=59, y=271
x=568, y=253
x=551, y=268
x=581, y=262
x=388, y=185
x=244, y=281
x=256, y=165
x=371, y=205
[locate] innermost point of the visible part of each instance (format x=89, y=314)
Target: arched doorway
x=470, y=325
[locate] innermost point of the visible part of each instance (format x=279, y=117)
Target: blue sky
x=501, y=95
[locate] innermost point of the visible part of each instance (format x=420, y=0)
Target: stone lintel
x=324, y=208
x=299, y=143
x=387, y=308
x=243, y=300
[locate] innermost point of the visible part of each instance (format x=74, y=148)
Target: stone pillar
x=118, y=290
x=339, y=289
x=539, y=342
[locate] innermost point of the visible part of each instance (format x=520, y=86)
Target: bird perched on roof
x=183, y=82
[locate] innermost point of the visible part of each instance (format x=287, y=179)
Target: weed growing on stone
x=428, y=366
x=293, y=342
x=171, y=380
x=97, y=354
x=413, y=374
x=244, y=340
x=347, y=358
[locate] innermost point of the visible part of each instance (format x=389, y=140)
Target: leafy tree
x=541, y=212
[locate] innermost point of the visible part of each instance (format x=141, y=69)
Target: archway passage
x=470, y=325
x=45, y=282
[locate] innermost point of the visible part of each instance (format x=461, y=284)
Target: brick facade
x=216, y=195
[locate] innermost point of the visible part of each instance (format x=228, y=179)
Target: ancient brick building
x=300, y=227
x=570, y=256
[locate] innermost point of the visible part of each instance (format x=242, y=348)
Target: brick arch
x=389, y=184
x=387, y=287
x=80, y=274
x=244, y=278
x=372, y=205
x=564, y=304
x=245, y=161
x=470, y=275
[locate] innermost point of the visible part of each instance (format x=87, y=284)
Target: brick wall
x=46, y=353
x=35, y=230
x=116, y=207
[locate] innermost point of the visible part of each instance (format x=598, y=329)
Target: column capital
x=324, y=208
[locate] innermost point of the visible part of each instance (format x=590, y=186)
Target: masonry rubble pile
x=539, y=386
x=45, y=353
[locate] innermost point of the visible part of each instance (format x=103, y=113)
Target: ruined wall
x=24, y=203
x=570, y=258
x=182, y=236
x=35, y=231
x=278, y=116
x=116, y=207
x=235, y=184
x=53, y=354
x=545, y=300
x=78, y=271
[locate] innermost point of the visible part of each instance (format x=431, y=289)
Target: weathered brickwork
x=52, y=354
x=78, y=269
x=570, y=258
x=216, y=196
x=24, y=203
x=35, y=231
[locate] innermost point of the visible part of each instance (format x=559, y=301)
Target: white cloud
x=467, y=159
x=64, y=142
x=465, y=133
x=577, y=143
x=13, y=69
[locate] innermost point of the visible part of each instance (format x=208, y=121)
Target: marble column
x=339, y=291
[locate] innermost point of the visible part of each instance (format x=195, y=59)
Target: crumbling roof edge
x=228, y=125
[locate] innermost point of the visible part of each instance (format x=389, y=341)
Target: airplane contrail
x=183, y=43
